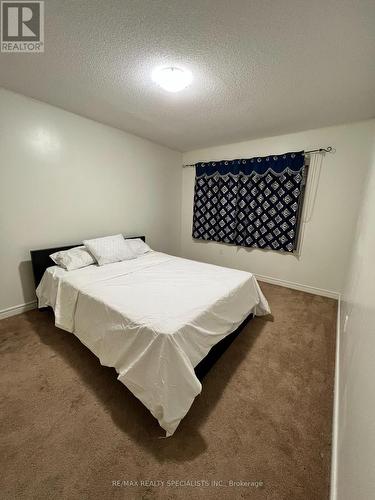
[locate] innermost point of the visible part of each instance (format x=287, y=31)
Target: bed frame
x=40, y=260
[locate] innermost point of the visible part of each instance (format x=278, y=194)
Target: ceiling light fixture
x=172, y=79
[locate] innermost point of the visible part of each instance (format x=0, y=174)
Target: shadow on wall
x=27, y=281
x=221, y=251
x=128, y=413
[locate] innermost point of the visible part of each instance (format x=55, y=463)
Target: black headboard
x=40, y=259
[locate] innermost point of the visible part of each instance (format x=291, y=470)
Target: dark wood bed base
x=218, y=350
x=40, y=260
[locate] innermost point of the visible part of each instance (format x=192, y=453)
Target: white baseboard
x=12, y=311
x=298, y=286
x=335, y=418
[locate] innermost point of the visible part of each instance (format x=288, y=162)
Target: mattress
x=153, y=319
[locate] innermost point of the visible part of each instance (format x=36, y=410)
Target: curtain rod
x=328, y=149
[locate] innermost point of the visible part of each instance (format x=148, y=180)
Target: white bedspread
x=153, y=319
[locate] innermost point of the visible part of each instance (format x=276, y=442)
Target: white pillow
x=138, y=246
x=74, y=258
x=109, y=249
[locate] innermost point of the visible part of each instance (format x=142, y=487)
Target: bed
x=159, y=320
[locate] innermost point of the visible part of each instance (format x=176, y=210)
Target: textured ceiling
x=261, y=67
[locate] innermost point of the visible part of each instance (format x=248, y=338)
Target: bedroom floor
x=69, y=428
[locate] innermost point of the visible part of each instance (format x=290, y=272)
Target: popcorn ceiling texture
x=69, y=428
x=260, y=68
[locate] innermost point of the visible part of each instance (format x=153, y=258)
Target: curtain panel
x=253, y=202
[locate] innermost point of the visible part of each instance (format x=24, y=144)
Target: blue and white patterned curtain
x=252, y=202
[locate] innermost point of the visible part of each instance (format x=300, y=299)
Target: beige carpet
x=69, y=428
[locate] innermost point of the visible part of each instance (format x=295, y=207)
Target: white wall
x=64, y=178
x=355, y=453
x=325, y=251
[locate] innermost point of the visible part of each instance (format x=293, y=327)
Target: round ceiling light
x=172, y=79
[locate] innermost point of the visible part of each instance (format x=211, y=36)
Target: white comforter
x=153, y=319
